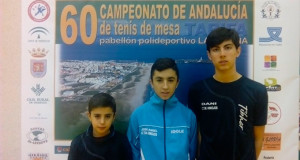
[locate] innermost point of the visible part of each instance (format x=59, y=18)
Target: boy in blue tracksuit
x=163, y=128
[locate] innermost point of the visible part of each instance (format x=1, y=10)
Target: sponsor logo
x=149, y=131
x=38, y=156
x=271, y=84
x=39, y=11
x=38, y=116
x=38, y=90
x=274, y=35
x=268, y=157
x=38, y=52
x=274, y=113
x=271, y=142
x=177, y=131
x=37, y=135
x=209, y=106
x=270, y=61
x=39, y=35
x=270, y=10
x=243, y=115
x=62, y=149
x=38, y=67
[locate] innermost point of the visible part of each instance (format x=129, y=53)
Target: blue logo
x=274, y=33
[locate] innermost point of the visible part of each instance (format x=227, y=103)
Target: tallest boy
x=231, y=109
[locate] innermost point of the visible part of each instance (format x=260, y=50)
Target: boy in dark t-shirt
x=231, y=109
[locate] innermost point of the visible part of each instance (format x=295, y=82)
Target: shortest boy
x=100, y=141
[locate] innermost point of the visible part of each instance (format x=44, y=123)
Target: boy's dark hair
x=162, y=64
x=221, y=34
x=102, y=100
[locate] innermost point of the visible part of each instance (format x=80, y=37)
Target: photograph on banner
x=108, y=46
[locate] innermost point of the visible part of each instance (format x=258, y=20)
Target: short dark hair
x=162, y=64
x=221, y=34
x=102, y=100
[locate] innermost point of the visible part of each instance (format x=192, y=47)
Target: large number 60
x=66, y=22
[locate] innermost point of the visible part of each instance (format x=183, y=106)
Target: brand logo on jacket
x=209, y=106
x=243, y=115
x=149, y=131
x=177, y=131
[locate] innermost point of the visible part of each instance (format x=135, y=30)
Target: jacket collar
x=156, y=100
x=89, y=134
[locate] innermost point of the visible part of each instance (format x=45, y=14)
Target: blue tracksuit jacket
x=163, y=130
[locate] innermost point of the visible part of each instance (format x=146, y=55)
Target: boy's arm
x=126, y=149
x=258, y=138
x=260, y=117
x=198, y=143
x=192, y=102
x=133, y=138
x=194, y=138
x=73, y=151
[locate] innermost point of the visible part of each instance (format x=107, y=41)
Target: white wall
x=10, y=79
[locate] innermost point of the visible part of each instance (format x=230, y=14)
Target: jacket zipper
x=164, y=116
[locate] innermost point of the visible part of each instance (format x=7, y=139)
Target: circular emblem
x=274, y=113
x=37, y=136
x=39, y=11
x=270, y=10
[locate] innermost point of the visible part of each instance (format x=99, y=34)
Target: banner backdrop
x=73, y=49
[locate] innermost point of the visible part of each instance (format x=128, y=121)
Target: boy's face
x=224, y=55
x=101, y=119
x=164, y=83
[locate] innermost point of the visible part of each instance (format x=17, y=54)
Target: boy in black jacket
x=100, y=141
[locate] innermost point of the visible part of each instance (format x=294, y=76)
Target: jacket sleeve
x=126, y=149
x=193, y=138
x=73, y=150
x=134, y=137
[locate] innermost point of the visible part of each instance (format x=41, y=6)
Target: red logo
x=274, y=113
x=39, y=11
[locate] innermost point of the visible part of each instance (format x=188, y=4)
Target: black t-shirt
x=226, y=114
x=114, y=146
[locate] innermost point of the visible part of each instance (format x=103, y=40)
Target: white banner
x=276, y=64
